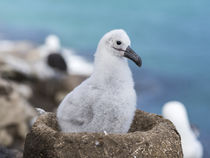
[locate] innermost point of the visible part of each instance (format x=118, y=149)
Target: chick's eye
x=118, y=42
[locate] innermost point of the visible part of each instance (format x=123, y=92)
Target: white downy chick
x=106, y=101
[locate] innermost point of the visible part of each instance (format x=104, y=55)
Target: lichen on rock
x=15, y=113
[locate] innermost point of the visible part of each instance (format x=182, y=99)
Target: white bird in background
x=33, y=61
x=49, y=60
x=106, y=101
x=176, y=113
x=64, y=59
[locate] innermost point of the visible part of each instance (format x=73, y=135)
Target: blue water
x=172, y=37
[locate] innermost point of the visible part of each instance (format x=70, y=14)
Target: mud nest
x=150, y=136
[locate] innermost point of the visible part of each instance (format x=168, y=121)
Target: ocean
x=172, y=38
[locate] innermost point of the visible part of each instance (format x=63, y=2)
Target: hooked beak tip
x=139, y=63
x=129, y=53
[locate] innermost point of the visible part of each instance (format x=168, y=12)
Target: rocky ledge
x=149, y=136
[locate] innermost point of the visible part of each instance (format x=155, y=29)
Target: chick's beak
x=130, y=54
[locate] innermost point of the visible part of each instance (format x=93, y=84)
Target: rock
x=47, y=94
x=10, y=153
x=149, y=136
x=14, y=47
x=42, y=93
x=21, y=88
x=22, y=63
x=15, y=113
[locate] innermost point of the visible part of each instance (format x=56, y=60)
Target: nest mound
x=150, y=136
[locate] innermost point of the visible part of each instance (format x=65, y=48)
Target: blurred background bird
x=176, y=112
